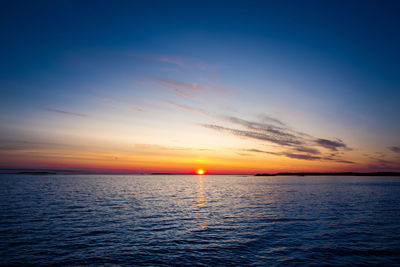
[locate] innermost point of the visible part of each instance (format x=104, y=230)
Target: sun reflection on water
x=200, y=201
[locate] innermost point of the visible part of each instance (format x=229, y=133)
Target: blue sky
x=118, y=72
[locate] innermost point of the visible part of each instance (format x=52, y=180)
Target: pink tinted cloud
x=193, y=109
x=171, y=60
x=177, y=84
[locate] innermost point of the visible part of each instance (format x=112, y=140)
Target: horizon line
x=80, y=172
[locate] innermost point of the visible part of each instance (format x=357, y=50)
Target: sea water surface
x=164, y=220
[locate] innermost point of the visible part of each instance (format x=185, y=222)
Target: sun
x=200, y=171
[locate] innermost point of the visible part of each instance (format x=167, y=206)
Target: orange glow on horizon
x=200, y=171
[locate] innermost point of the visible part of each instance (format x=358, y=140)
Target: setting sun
x=200, y=171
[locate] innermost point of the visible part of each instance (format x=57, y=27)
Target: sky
x=226, y=86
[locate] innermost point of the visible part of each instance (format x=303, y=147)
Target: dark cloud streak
x=308, y=150
x=298, y=145
x=395, y=149
x=332, y=145
x=66, y=112
x=300, y=156
x=262, y=136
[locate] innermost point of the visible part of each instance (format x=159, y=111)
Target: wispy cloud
x=119, y=105
x=344, y=161
x=395, y=149
x=282, y=140
x=383, y=164
x=192, y=109
x=187, y=63
x=156, y=147
x=266, y=118
x=66, y=112
x=292, y=143
x=177, y=84
x=89, y=151
x=276, y=134
x=9, y=145
x=259, y=151
x=171, y=60
x=379, y=161
x=295, y=144
x=176, y=91
x=309, y=150
x=138, y=110
x=12, y=145
x=333, y=145
x=282, y=134
x=244, y=154
x=301, y=156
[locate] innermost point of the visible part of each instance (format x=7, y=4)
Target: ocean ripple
x=127, y=220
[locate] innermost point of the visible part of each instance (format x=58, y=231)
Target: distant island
x=258, y=174
x=330, y=174
x=37, y=173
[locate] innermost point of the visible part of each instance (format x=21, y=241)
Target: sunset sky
x=229, y=87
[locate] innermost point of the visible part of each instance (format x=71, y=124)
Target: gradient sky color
x=227, y=86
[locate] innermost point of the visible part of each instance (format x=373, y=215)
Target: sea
x=199, y=220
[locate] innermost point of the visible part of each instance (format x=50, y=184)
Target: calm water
x=189, y=220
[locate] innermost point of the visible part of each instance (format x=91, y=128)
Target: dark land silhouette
x=330, y=174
